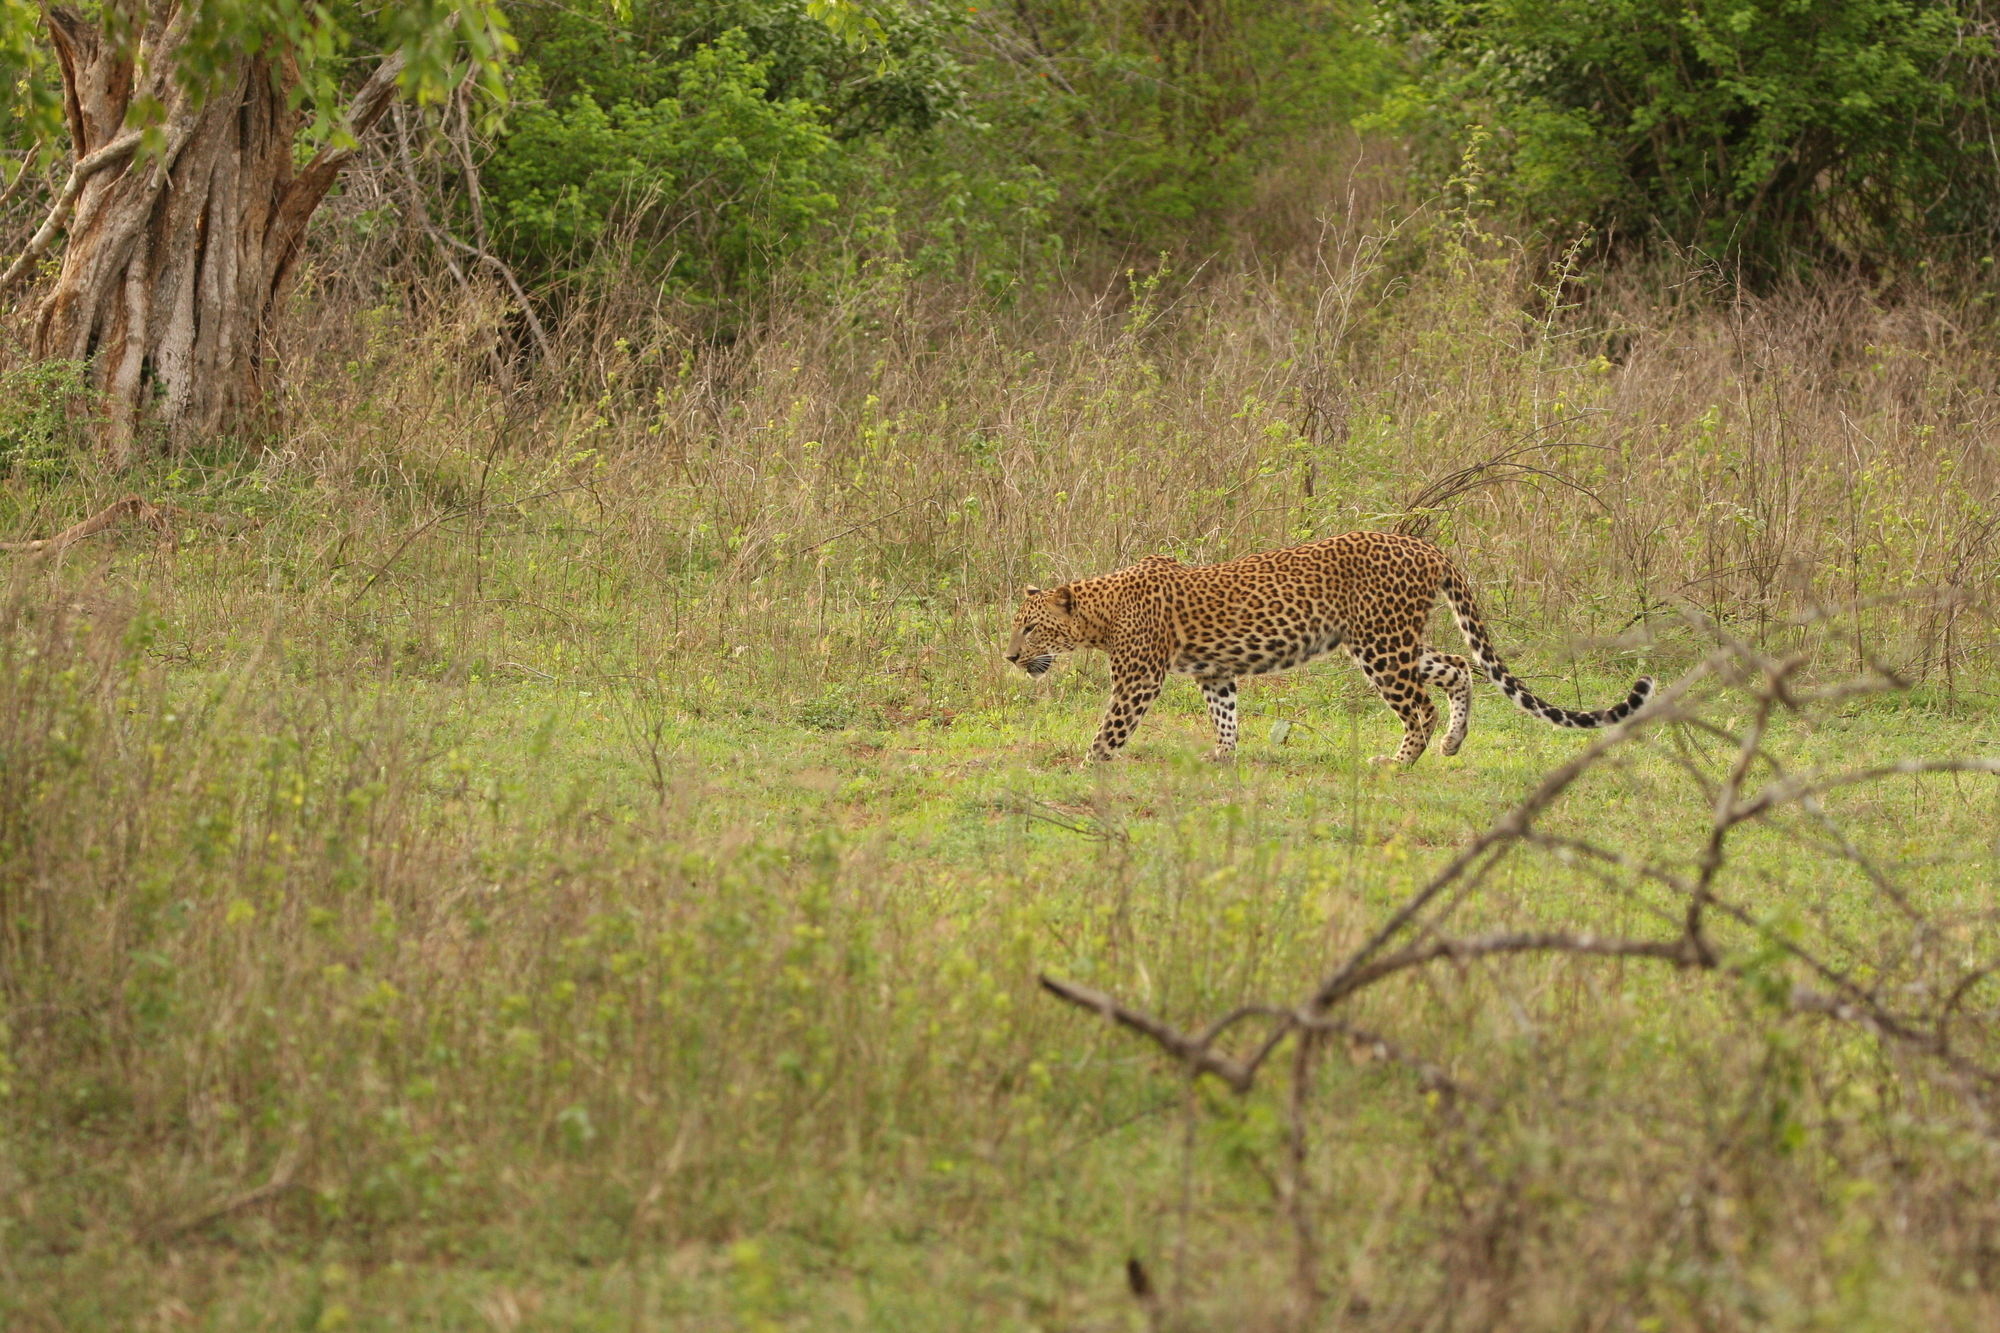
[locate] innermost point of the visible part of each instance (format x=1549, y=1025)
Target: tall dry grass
x=1752, y=455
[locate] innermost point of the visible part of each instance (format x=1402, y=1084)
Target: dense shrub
x=719, y=173
x=1782, y=134
x=1152, y=119
x=706, y=139
x=714, y=140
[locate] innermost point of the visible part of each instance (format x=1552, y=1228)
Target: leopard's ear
x=1033, y=591
x=1062, y=599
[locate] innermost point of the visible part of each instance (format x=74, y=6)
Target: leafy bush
x=1782, y=134
x=717, y=139
x=707, y=140
x=718, y=176
x=1152, y=117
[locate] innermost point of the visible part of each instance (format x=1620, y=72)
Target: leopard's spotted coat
x=1369, y=593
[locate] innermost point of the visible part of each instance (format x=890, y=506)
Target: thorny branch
x=1735, y=800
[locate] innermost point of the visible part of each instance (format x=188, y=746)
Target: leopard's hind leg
x=1401, y=685
x=1452, y=674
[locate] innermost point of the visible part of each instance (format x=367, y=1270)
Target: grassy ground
x=594, y=872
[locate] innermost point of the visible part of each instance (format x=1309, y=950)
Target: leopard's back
x=1276, y=609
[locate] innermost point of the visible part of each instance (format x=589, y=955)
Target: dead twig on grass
x=134, y=508
x=283, y=1177
x=1507, y=465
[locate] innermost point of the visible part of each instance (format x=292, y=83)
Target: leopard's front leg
x=1134, y=685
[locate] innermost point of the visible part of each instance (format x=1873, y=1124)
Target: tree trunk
x=177, y=260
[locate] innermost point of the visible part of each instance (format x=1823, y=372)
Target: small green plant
x=43, y=406
x=829, y=712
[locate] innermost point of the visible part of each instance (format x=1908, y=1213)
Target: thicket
x=985, y=143
x=714, y=142
x=1782, y=138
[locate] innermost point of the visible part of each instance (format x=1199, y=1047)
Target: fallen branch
x=160, y=518
x=284, y=1177
x=132, y=506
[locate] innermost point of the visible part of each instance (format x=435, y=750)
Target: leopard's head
x=1043, y=627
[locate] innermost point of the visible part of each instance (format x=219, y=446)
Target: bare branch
x=1431, y=499
x=22, y=179
x=479, y=252
x=1787, y=790
x=369, y=104
x=1748, y=749
x=1914, y=1018
x=1190, y=1051
x=1379, y=1047
x=1558, y=941
x=1510, y=828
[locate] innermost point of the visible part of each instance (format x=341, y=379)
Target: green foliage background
x=716, y=139
x=1782, y=137
x=1787, y=136
x=713, y=147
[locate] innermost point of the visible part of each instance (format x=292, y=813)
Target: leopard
x=1368, y=594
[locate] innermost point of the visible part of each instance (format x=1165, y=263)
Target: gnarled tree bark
x=179, y=251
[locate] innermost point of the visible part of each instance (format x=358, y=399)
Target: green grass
x=406, y=960
x=580, y=860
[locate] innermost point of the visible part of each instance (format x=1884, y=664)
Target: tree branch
x=1190, y=1051
x=21, y=179
x=1557, y=941
x=111, y=154
x=1511, y=827
x=368, y=106
x=1848, y=997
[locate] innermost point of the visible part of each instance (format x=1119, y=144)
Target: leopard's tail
x=1463, y=610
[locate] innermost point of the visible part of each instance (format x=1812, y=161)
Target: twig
x=21, y=179
x=1548, y=941
x=282, y=1178
x=850, y=531
x=1431, y=498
